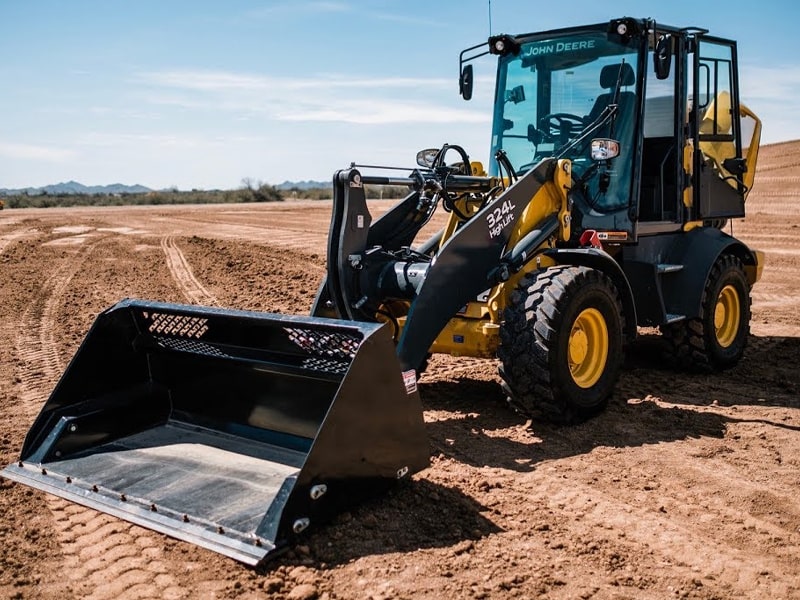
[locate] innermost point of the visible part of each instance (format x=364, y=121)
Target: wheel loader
x=620, y=151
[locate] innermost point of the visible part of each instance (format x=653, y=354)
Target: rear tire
x=561, y=343
x=715, y=340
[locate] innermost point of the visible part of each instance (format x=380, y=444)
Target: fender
x=698, y=250
x=602, y=261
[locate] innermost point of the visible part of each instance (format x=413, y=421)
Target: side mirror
x=604, y=149
x=425, y=158
x=662, y=57
x=515, y=95
x=465, y=82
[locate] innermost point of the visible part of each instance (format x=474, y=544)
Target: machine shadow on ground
x=415, y=515
x=468, y=421
x=474, y=432
x=748, y=383
x=474, y=438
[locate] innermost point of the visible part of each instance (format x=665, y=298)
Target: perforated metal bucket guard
x=229, y=429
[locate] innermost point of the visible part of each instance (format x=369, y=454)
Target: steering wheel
x=559, y=126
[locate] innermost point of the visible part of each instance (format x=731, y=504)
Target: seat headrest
x=609, y=74
x=722, y=113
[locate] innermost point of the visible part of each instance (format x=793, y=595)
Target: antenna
x=490, y=18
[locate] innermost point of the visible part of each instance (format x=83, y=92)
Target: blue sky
x=200, y=94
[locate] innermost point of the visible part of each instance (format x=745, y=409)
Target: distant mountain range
x=303, y=185
x=73, y=187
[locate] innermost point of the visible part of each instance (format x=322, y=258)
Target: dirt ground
x=686, y=487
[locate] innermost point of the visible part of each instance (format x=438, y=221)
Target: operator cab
x=654, y=94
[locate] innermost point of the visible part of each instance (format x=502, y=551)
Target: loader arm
x=470, y=262
x=483, y=252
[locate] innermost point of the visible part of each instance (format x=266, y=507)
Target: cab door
x=718, y=163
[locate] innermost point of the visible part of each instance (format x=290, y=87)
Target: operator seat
x=608, y=81
x=716, y=135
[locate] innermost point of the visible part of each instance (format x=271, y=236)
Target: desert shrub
x=262, y=193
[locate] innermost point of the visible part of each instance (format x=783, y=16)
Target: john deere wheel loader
x=620, y=150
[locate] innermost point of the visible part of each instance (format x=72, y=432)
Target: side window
x=659, y=104
x=518, y=108
x=717, y=127
x=659, y=190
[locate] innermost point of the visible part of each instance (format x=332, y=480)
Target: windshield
x=553, y=90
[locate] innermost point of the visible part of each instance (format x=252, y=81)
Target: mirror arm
x=465, y=70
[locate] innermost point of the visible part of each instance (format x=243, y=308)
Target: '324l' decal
x=499, y=218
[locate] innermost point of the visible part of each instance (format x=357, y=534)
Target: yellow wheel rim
x=726, y=316
x=588, y=348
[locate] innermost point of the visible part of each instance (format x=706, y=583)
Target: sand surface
x=686, y=487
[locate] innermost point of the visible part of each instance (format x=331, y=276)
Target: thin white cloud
x=306, y=9
x=773, y=93
x=144, y=140
x=221, y=81
x=35, y=152
x=209, y=81
x=335, y=98
x=370, y=112
x=299, y=8
x=378, y=83
x=406, y=19
x=781, y=82
x=330, y=6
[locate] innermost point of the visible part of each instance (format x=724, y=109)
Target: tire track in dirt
x=773, y=300
x=295, y=237
x=649, y=529
x=39, y=362
x=777, y=166
x=9, y=238
x=194, y=291
x=104, y=558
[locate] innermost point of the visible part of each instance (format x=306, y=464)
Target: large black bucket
x=229, y=429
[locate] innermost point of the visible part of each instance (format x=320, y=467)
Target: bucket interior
x=196, y=422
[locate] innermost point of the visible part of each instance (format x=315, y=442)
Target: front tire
x=561, y=343
x=715, y=340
